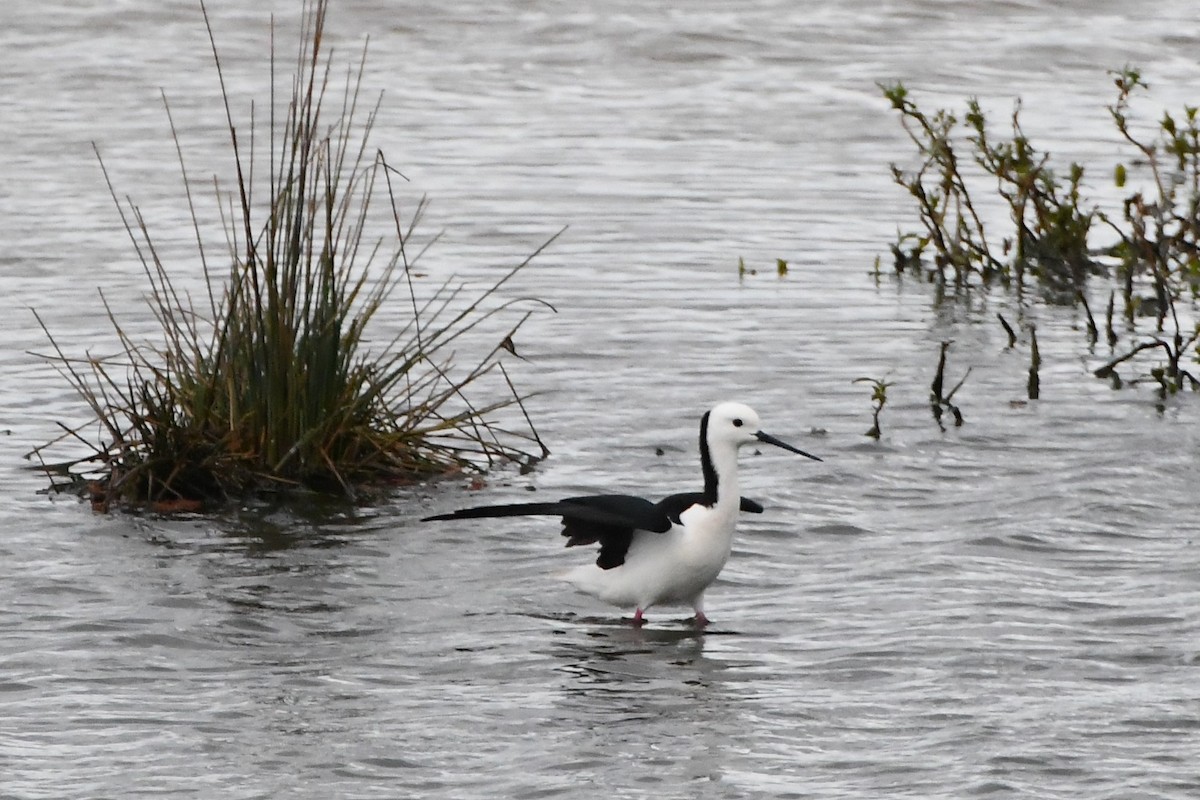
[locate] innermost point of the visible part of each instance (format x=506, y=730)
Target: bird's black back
x=676, y=504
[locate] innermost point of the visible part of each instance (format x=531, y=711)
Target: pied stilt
x=660, y=553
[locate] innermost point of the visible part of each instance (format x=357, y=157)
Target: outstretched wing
x=615, y=509
x=607, y=519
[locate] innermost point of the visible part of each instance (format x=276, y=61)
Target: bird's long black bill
x=769, y=439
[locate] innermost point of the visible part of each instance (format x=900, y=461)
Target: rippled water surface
x=1009, y=609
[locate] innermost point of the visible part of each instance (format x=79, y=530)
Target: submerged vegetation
x=941, y=401
x=1049, y=247
x=281, y=376
x=781, y=268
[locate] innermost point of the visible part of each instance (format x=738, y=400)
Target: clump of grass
x=272, y=381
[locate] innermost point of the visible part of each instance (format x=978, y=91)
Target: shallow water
x=1008, y=609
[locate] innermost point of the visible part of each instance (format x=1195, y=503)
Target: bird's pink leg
x=700, y=620
x=638, y=619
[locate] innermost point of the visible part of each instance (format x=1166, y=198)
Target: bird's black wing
x=607, y=519
x=601, y=509
x=676, y=504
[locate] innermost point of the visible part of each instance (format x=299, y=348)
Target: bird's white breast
x=672, y=567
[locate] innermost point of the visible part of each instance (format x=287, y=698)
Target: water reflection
x=654, y=699
x=617, y=654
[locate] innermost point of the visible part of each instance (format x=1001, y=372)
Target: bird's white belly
x=659, y=569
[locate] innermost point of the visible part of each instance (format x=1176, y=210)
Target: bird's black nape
x=706, y=465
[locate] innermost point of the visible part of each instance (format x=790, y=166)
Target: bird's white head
x=731, y=425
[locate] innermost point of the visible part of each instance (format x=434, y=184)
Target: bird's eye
x=737, y=423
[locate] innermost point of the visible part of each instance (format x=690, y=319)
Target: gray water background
x=1009, y=609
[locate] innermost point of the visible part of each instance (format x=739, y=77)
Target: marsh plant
x=1170, y=377
x=1050, y=244
x=1033, y=384
x=941, y=401
x=280, y=377
x=879, y=398
x=1050, y=225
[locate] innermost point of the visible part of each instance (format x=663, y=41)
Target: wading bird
x=662, y=553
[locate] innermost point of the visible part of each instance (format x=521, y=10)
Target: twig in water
x=1092, y=330
x=1012, y=335
x=938, y=402
x=1035, y=362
